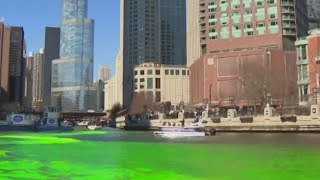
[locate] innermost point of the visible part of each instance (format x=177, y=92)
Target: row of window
x=150, y=85
x=166, y=72
x=235, y=4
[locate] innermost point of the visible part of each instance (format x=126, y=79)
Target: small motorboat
x=83, y=123
x=180, y=133
x=94, y=127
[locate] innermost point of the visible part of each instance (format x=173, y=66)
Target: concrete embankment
x=237, y=124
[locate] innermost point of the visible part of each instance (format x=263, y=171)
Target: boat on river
x=197, y=129
x=94, y=127
x=179, y=132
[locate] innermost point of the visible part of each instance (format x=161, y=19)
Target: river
x=123, y=155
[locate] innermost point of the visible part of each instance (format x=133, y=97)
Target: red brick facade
x=245, y=76
x=313, y=55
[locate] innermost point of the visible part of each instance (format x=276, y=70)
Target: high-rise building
x=104, y=73
x=1, y=45
x=51, y=52
x=38, y=80
x=302, y=22
x=12, y=64
x=244, y=44
x=72, y=74
x=152, y=31
x=193, y=32
x=28, y=81
x=114, y=87
x=313, y=7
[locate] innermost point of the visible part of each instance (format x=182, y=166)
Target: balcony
x=287, y=3
x=289, y=32
x=203, y=41
x=202, y=2
x=202, y=8
x=202, y=21
x=202, y=15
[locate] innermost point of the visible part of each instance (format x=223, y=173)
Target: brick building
x=248, y=53
x=308, y=60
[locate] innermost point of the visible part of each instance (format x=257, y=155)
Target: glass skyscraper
x=72, y=74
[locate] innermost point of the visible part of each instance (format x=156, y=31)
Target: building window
x=150, y=83
x=149, y=72
x=188, y=73
x=158, y=83
x=135, y=72
x=303, y=53
x=158, y=72
x=184, y=72
x=171, y=72
x=166, y=72
x=177, y=72
x=158, y=96
x=142, y=83
x=142, y=72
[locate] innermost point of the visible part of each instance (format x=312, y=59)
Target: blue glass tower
x=72, y=74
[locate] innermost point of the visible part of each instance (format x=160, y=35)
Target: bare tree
x=255, y=82
x=142, y=103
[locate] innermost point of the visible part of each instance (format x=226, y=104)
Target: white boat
x=177, y=134
x=94, y=127
x=83, y=123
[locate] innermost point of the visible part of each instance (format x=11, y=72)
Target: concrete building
x=11, y=64
x=165, y=82
x=38, y=80
x=151, y=31
x=308, y=58
x=28, y=81
x=193, y=32
x=51, y=52
x=114, y=87
x=105, y=73
x=72, y=74
x=243, y=40
x=1, y=49
x=313, y=13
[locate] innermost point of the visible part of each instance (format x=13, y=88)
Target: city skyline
x=34, y=25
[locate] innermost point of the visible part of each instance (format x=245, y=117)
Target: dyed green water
x=126, y=156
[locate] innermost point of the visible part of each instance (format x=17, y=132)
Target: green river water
x=124, y=155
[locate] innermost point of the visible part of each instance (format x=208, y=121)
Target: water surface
x=123, y=155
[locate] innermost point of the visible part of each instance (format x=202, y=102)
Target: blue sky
x=35, y=15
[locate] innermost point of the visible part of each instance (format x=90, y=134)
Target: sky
x=35, y=15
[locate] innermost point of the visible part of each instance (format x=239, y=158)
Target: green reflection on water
x=55, y=157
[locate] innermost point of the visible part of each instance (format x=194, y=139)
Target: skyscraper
x=28, y=81
x=152, y=31
x=193, y=32
x=313, y=7
x=38, y=80
x=12, y=63
x=51, y=52
x=244, y=43
x=104, y=73
x=72, y=74
x=1, y=47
